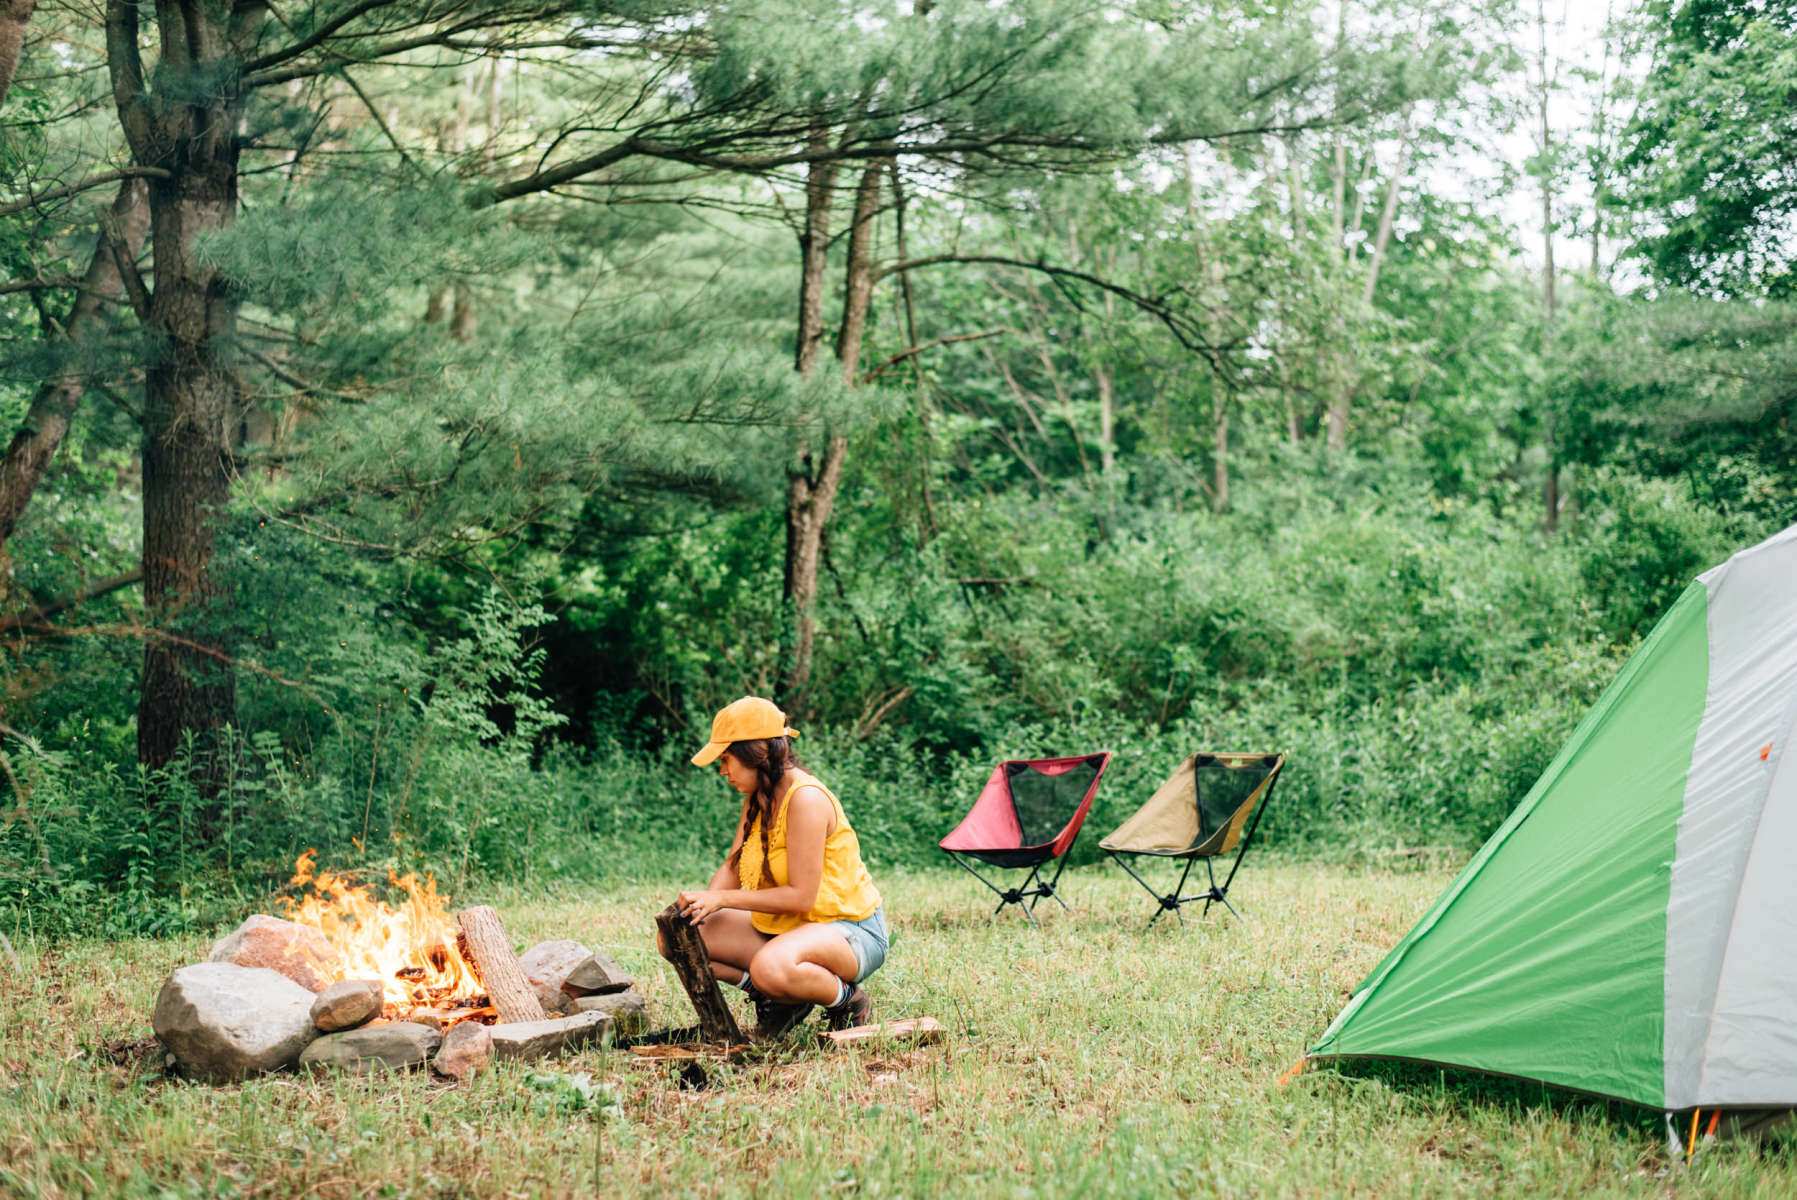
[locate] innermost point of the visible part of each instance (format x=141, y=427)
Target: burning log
x=686, y=950
x=490, y=952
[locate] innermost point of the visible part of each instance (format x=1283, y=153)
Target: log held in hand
x=686, y=950
x=490, y=952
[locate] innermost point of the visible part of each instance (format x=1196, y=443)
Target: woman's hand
x=699, y=905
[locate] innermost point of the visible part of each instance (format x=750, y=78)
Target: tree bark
x=187, y=123
x=14, y=15
x=53, y=408
x=810, y=495
x=859, y=281
x=814, y=252
x=686, y=950
x=489, y=950
x=1550, y=488
x=190, y=399
x=811, y=485
x=1220, y=449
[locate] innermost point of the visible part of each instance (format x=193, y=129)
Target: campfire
x=351, y=982
x=414, y=949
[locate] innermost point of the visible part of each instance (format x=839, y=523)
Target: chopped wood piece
x=686, y=950
x=490, y=952
x=920, y=1030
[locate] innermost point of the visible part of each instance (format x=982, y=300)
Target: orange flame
x=410, y=949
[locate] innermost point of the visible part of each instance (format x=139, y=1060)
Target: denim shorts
x=867, y=939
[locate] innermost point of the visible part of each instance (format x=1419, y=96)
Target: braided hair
x=770, y=759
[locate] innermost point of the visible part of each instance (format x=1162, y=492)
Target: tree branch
x=92, y=181
x=902, y=355
x=60, y=283
x=40, y=613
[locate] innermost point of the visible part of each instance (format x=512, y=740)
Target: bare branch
x=37, y=614
x=930, y=345
x=92, y=181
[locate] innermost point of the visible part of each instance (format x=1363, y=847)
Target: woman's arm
x=808, y=819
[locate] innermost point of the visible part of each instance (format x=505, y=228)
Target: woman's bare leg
x=810, y=963
x=731, y=942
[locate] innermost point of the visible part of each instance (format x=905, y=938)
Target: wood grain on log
x=919, y=1030
x=686, y=950
x=489, y=952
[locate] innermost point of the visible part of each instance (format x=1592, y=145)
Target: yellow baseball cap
x=741, y=721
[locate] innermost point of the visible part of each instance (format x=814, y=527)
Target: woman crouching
x=792, y=916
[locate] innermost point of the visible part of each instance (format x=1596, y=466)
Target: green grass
x=1089, y=1059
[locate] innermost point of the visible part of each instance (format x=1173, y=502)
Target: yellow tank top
x=845, y=893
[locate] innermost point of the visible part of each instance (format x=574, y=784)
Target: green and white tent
x=1631, y=929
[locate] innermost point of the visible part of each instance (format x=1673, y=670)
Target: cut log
x=686, y=950
x=920, y=1031
x=490, y=952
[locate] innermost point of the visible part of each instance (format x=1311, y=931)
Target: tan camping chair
x=1210, y=805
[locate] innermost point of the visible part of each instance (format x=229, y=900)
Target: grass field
x=1088, y=1059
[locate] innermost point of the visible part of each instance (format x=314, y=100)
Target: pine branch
x=99, y=179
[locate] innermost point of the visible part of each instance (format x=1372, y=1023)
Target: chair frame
x=1034, y=887
x=1024, y=897
x=1175, y=900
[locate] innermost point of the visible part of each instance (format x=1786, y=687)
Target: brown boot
x=855, y=1009
x=774, y=1018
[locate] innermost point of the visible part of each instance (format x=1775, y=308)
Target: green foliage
x=1710, y=157
x=507, y=523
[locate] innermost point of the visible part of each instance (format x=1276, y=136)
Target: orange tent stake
x=1691, y=1142
x=1293, y=1073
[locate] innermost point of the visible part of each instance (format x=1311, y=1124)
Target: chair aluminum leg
x=1168, y=903
x=1023, y=897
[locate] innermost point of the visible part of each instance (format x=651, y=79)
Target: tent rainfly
x=1631, y=929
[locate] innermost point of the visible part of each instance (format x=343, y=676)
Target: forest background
x=425, y=413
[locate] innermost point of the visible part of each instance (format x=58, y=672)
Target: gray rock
x=223, y=1022
x=546, y=965
x=372, y=1048
x=467, y=1047
x=348, y=1004
x=628, y=1011
x=595, y=975
x=539, y=1039
x=300, y=952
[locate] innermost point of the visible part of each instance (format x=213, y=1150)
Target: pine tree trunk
x=811, y=486
x=14, y=15
x=1220, y=451
x=814, y=254
x=1550, y=489
x=186, y=122
x=53, y=408
x=190, y=402
x=858, y=283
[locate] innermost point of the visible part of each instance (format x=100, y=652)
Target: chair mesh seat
x=1027, y=815
x=1210, y=805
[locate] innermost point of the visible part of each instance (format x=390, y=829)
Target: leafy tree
x=1708, y=162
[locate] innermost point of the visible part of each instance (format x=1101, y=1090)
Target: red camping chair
x=1027, y=816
